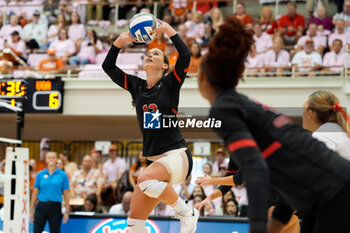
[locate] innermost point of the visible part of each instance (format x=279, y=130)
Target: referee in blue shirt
x=50, y=184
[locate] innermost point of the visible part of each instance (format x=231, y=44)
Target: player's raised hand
x=164, y=27
x=124, y=37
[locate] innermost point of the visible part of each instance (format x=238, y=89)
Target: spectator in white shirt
x=207, y=170
x=64, y=46
x=254, y=62
x=327, y=120
x=240, y=192
x=195, y=28
x=124, y=207
x=334, y=60
x=185, y=188
x=220, y=161
x=345, y=15
x=112, y=170
x=320, y=42
x=162, y=209
x=52, y=34
x=114, y=167
x=34, y=33
x=277, y=59
x=76, y=30
x=263, y=41
x=7, y=29
x=339, y=34
x=86, y=49
x=17, y=45
x=307, y=60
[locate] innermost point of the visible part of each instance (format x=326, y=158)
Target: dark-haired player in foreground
x=166, y=147
x=269, y=149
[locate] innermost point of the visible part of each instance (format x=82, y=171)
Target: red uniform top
x=269, y=27
x=204, y=7
x=246, y=19
x=286, y=21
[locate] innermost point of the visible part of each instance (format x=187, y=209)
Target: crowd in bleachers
x=63, y=35
x=104, y=183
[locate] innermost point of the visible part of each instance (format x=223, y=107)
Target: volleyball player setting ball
x=269, y=149
x=172, y=161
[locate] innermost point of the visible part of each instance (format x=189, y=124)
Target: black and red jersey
x=162, y=97
x=272, y=152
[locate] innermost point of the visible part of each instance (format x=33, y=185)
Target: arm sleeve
x=125, y=81
x=71, y=46
x=43, y=33
x=302, y=21
x=318, y=59
x=65, y=182
x=40, y=66
x=325, y=60
x=182, y=63
x=281, y=22
x=26, y=32
x=282, y=212
x=37, y=182
x=301, y=41
x=336, y=16
x=104, y=169
x=285, y=60
x=330, y=40
x=295, y=59
x=232, y=169
x=246, y=154
x=123, y=166
x=60, y=64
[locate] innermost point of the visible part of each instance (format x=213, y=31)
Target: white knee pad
x=152, y=188
x=136, y=225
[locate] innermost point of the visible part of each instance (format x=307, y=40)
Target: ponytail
x=327, y=108
x=342, y=118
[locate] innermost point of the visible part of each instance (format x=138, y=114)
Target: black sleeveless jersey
x=272, y=152
x=151, y=104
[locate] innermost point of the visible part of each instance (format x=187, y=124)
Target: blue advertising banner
x=117, y=224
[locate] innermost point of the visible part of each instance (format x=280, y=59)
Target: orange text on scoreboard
x=43, y=85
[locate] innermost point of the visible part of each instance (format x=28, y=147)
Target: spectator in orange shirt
x=291, y=25
x=171, y=54
x=205, y=6
x=179, y=9
x=247, y=20
x=196, y=58
x=158, y=43
x=51, y=63
x=7, y=61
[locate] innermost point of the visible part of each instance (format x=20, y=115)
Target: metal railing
x=78, y=149
x=291, y=73
x=117, y=3
x=132, y=150
x=34, y=147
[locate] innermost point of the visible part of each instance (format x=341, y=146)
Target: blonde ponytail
x=327, y=108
